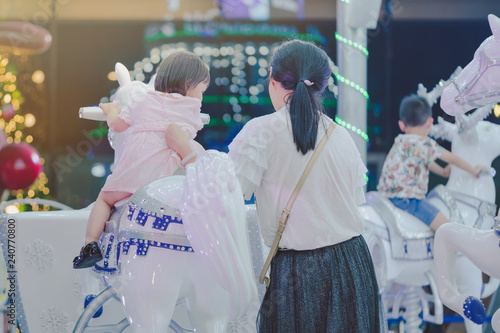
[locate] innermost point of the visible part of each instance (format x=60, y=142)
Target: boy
x=405, y=174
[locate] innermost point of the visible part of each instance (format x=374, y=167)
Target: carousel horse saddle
x=485, y=211
x=132, y=224
x=449, y=199
x=409, y=238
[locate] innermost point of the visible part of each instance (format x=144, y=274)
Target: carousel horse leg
x=469, y=281
x=495, y=321
x=208, y=305
x=204, y=321
x=450, y=239
x=149, y=291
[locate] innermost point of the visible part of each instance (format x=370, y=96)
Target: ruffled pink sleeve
x=127, y=112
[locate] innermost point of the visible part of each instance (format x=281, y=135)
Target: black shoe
x=89, y=255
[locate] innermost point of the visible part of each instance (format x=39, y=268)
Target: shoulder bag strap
x=288, y=207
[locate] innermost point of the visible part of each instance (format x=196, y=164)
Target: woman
x=322, y=279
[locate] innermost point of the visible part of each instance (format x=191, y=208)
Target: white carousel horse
x=409, y=244
x=477, y=85
x=184, y=238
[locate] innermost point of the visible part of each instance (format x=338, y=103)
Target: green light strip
x=352, y=128
x=351, y=43
x=352, y=84
x=346, y=1
x=286, y=35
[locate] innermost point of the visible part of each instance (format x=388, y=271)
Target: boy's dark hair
x=414, y=110
x=181, y=71
x=292, y=63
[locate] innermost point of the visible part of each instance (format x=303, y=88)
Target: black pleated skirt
x=326, y=290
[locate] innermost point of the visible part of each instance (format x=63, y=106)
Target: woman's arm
x=112, y=110
x=178, y=140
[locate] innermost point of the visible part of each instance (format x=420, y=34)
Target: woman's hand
x=178, y=139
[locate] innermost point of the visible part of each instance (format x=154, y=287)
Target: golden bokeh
x=38, y=76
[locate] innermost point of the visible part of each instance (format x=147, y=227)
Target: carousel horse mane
x=464, y=123
x=433, y=95
x=213, y=213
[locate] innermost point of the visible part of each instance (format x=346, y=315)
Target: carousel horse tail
x=213, y=214
x=446, y=246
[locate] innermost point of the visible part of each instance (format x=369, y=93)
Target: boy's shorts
x=421, y=209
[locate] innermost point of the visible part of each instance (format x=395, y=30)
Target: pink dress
x=146, y=156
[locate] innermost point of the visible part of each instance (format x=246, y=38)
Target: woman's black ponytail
x=303, y=68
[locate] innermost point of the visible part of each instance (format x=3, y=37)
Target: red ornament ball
x=8, y=111
x=20, y=165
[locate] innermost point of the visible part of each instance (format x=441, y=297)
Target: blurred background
x=414, y=42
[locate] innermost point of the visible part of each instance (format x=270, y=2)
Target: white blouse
x=267, y=162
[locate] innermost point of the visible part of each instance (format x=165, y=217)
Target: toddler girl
x=163, y=124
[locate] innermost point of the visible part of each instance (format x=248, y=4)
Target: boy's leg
x=438, y=221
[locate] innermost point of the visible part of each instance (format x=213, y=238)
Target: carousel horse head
x=479, y=82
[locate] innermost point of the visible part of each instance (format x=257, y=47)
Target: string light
x=351, y=43
x=13, y=123
x=352, y=84
x=352, y=128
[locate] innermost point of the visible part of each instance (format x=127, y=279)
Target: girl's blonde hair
x=181, y=71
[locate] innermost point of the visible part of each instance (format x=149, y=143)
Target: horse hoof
x=89, y=299
x=474, y=310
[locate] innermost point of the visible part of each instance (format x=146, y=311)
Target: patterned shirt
x=405, y=173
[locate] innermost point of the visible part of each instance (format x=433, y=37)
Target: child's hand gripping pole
x=96, y=113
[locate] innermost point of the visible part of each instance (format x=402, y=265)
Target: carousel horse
x=477, y=85
x=408, y=243
x=183, y=238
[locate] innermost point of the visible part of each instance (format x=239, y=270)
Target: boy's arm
x=437, y=169
x=461, y=163
x=112, y=110
x=178, y=140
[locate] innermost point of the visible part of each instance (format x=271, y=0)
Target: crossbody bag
x=286, y=211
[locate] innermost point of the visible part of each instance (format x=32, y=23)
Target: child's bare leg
x=438, y=221
x=100, y=213
x=90, y=254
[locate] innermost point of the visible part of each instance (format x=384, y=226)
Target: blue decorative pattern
x=131, y=210
x=144, y=244
x=142, y=217
x=428, y=242
x=474, y=310
x=162, y=223
x=108, y=251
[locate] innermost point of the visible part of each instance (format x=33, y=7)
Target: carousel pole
x=353, y=18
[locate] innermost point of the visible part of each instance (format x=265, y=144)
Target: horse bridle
x=463, y=97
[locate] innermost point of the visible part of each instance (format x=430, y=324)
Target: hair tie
x=308, y=83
